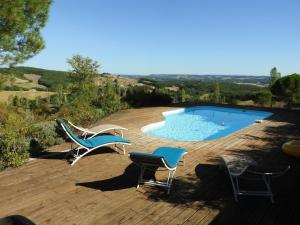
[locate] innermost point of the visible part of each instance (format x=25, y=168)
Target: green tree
x=287, y=88
x=84, y=71
x=20, y=24
x=108, y=99
x=216, y=95
x=275, y=75
x=181, y=95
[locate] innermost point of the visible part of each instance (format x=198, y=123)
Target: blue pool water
x=203, y=123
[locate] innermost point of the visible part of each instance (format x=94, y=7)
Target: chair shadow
x=64, y=155
x=126, y=180
x=15, y=220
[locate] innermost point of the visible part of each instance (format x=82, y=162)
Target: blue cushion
x=74, y=136
x=146, y=158
x=171, y=155
x=105, y=139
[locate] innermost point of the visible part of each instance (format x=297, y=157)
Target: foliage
x=108, y=99
x=216, y=97
x=20, y=24
x=14, y=144
x=80, y=113
x=49, y=78
x=275, y=75
x=182, y=96
x=2, y=81
x=44, y=135
x=287, y=88
x=60, y=97
x=144, y=96
x=263, y=98
x=199, y=88
x=160, y=96
x=84, y=71
x=136, y=95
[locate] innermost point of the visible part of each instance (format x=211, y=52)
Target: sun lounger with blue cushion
x=92, y=143
x=166, y=157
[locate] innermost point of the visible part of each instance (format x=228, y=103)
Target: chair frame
x=264, y=176
x=78, y=156
x=165, y=184
x=86, y=131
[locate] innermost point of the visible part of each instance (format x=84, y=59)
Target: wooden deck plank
x=100, y=188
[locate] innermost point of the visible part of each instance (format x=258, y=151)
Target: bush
x=13, y=142
x=80, y=113
x=108, y=99
x=288, y=89
x=44, y=135
x=263, y=98
x=15, y=153
x=145, y=96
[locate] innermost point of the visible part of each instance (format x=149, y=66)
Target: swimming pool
x=203, y=123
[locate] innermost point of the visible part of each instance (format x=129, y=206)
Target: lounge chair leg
x=140, y=177
x=124, y=151
x=170, y=180
x=267, y=182
x=236, y=188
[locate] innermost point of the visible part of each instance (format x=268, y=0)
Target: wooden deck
x=100, y=188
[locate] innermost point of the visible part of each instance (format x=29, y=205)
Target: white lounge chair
x=238, y=168
x=94, y=131
x=91, y=143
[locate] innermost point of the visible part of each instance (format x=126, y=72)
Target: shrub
x=263, y=98
x=287, y=88
x=145, y=96
x=13, y=142
x=14, y=151
x=108, y=99
x=44, y=135
x=80, y=113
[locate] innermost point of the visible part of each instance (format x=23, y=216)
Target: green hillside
x=49, y=78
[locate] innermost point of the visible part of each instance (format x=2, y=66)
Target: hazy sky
x=174, y=36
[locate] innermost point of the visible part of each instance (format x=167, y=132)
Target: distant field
x=257, y=85
x=5, y=95
x=30, y=85
x=121, y=80
x=29, y=81
x=33, y=77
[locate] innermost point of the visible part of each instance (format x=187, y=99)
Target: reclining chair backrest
x=71, y=134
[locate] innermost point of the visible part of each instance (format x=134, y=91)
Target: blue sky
x=174, y=36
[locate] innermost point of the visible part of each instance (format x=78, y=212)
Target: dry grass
x=20, y=81
x=121, y=80
x=5, y=95
x=172, y=88
x=30, y=85
x=33, y=77
x=31, y=82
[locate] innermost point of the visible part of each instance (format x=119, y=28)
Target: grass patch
x=5, y=95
